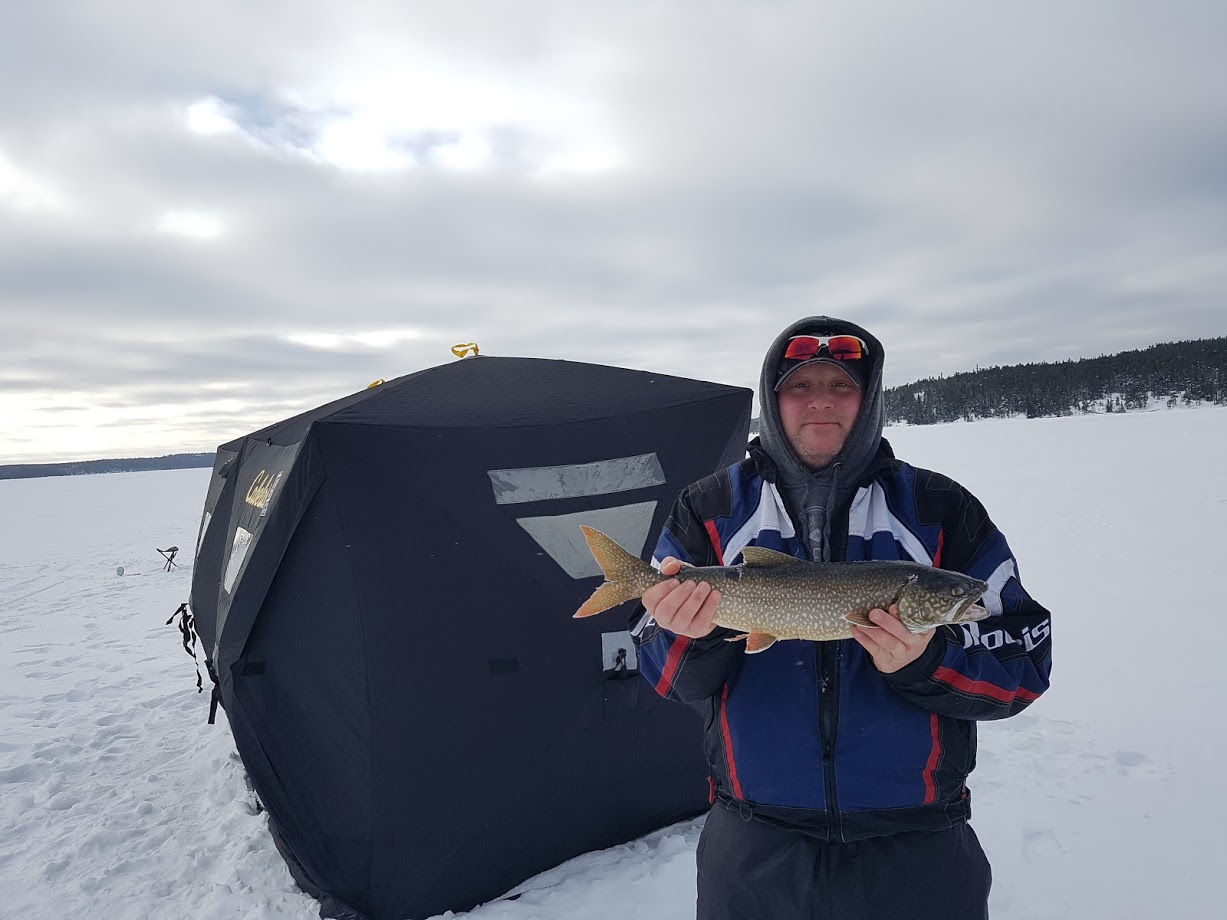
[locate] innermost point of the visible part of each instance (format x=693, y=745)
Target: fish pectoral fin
x=759, y=642
x=861, y=619
x=761, y=556
x=738, y=638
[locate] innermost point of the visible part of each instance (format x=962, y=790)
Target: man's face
x=818, y=405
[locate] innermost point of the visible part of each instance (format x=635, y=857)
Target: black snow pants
x=749, y=870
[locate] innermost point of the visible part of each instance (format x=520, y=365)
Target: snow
x=1103, y=800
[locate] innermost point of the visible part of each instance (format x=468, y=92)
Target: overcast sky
x=215, y=215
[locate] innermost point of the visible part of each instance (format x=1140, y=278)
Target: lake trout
x=773, y=596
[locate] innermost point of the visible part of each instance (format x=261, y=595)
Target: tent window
x=560, y=536
x=238, y=552
x=603, y=477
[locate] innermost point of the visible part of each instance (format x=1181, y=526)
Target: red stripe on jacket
x=728, y=743
x=935, y=754
x=967, y=685
x=676, y=650
x=714, y=536
x=982, y=687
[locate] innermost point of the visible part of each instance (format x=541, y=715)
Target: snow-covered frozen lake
x=1103, y=802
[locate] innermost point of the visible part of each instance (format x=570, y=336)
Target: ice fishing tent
x=383, y=589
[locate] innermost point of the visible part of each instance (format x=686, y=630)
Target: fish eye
x=957, y=591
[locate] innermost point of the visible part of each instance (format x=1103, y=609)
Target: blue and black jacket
x=810, y=734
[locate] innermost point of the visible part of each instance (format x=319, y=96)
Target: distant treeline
x=81, y=467
x=1174, y=373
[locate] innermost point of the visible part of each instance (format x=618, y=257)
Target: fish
x=773, y=596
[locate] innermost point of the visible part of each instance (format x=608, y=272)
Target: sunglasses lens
x=839, y=347
x=802, y=347
x=845, y=347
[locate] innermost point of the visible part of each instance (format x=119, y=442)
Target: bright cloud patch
x=210, y=116
x=384, y=338
x=22, y=191
x=381, y=114
x=584, y=158
x=360, y=143
x=469, y=151
x=191, y=224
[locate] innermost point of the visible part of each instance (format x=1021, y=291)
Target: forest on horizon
x=1172, y=374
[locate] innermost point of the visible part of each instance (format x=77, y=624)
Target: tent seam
x=370, y=785
x=332, y=420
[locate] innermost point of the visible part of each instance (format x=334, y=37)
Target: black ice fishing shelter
x=383, y=589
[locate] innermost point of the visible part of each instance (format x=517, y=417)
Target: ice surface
x=1101, y=802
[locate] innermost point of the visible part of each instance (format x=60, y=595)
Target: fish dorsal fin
x=761, y=556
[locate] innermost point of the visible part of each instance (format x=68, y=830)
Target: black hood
x=814, y=497
x=862, y=444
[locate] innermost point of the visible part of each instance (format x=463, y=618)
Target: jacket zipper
x=829, y=655
x=829, y=662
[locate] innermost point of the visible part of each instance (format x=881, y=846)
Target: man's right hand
x=682, y=607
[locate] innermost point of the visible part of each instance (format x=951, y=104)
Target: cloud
x=192, y=224
x=24, y=192
x=211, y=116
x=377, y=339
x=281, y=203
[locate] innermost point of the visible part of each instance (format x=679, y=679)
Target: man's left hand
x=891, y=645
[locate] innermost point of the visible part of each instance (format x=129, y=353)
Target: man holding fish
x=839, y=767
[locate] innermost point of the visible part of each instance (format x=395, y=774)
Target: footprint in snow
x=1129, y=760
x=1040, y=844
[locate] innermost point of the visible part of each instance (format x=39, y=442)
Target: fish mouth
x=969, y=612
x=966, y=610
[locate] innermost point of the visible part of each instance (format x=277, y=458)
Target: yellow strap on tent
x=376, y=383
x=462, y=350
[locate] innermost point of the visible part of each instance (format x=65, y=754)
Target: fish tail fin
x=626, y=576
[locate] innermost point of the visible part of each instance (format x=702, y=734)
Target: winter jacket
x=811, y=734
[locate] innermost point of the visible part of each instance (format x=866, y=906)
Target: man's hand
x=682, y=607
x=891, y=646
